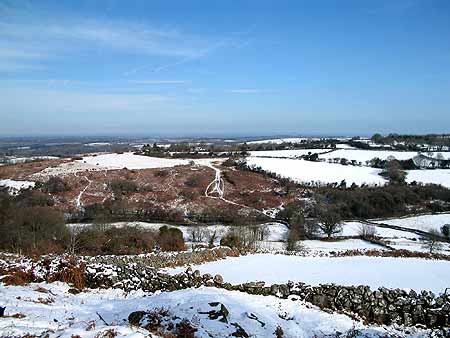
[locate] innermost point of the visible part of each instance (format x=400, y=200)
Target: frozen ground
x=15, y=186
x=404, y=273
x=67, y=315
x=307, y=171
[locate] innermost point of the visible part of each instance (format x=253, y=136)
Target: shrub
x=55, y=184
x=17, y=276
x=367, y=231
x=231, y=240
x=193, y=181
x=161, y=173
x=171, y=239
x=433, y=241
x=394, y=173
x=446, y=230
x=71, y=272
x=127, y=240
x=32, y=198
x=292, y=239
x=123, y=186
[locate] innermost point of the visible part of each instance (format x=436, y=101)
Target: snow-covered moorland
x=50, y=310
x=14, y=186
x=131, y=161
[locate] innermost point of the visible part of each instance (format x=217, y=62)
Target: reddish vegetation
x=17, y=276
x=177, y=189
x=24, y=170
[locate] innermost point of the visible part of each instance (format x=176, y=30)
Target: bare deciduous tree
x=329, y=222
x=367, y=231
x=433, y=241
x=74, y=240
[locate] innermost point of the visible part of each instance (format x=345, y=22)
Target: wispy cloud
x=127, y=37
x=38, y=41
x=200, y=53
x=157, y=82
x=249, y=91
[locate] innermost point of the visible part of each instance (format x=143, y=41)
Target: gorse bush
x=108, y=240
x=171, y=239
x=55, y=185
x=123, y=186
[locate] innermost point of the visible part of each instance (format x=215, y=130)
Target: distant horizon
x=186, y=136
x=218, y=136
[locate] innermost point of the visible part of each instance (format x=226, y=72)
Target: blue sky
x=224, y=67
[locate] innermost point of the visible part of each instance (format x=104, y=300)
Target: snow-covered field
x=344, y=151
x=435, y=176
x=315, y=246
x=423, y=222
x=366, y=155
x=403, y=240
x=352, y=228
x=324, y=172
x=68, y=315
x=404, y=273
x=97, y=144
x=287, y=153
x=14, y=186
x=283, y=140
x=307, y=171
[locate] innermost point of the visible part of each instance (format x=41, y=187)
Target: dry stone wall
x=382, y=306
